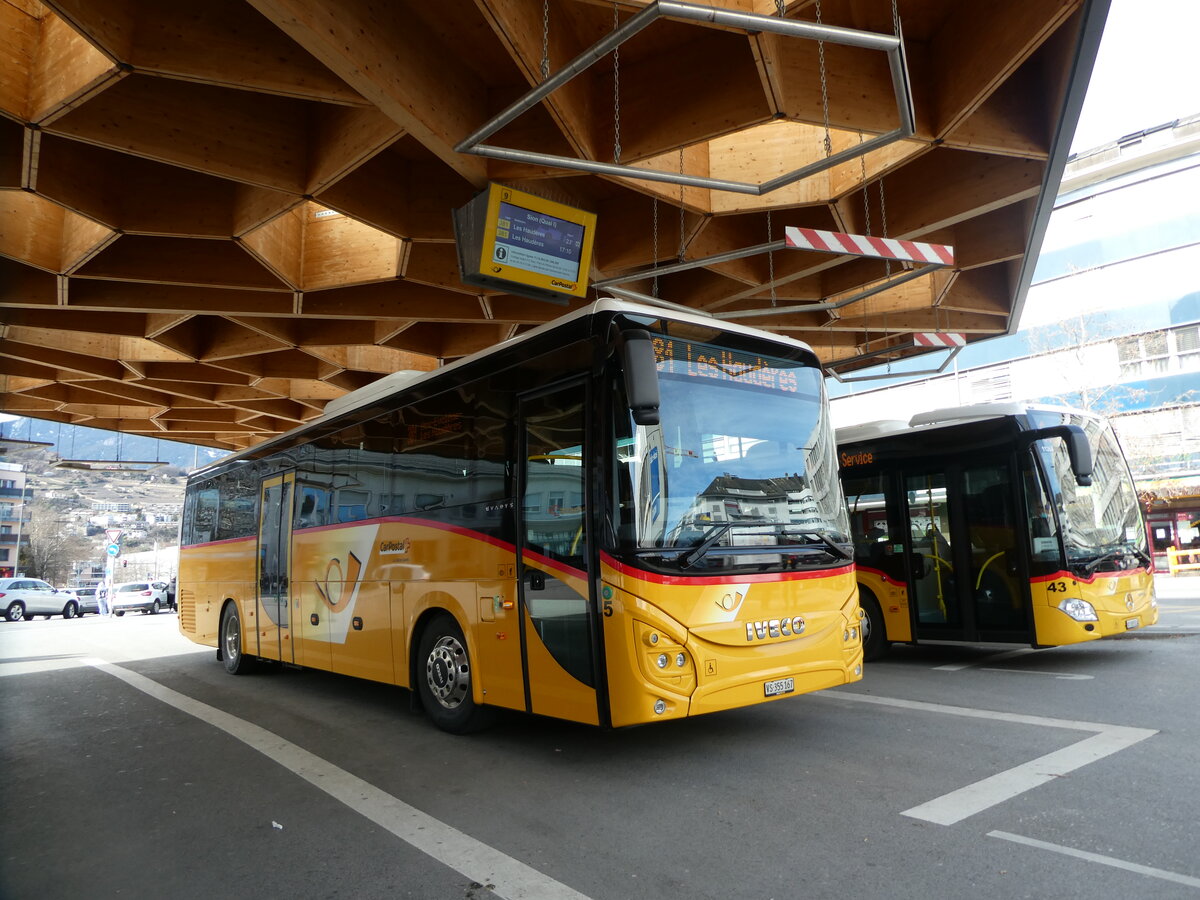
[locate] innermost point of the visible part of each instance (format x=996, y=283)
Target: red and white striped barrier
x=939, y=339
x=868, y=245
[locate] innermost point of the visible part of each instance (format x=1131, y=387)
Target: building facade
x=1111, y=323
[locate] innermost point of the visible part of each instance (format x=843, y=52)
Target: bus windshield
x=1101, y=523
x=740, y=473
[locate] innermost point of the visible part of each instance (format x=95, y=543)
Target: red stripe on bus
x=1061, y=575
x=886, y=577
x=625, y=569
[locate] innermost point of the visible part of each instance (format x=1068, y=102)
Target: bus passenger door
x=274, y=567
x=557, y=615
x=998, y=574
x=968, y=575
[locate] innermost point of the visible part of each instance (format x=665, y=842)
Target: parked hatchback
x=147, y=596
x=24, y=598
x=89, y=600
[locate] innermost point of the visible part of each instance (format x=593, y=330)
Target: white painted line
x=974, y=798
x=1060, y=675
x=995, y=658
x=33, y=666
x=504, y=876
x=1098, y=858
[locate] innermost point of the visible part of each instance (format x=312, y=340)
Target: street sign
x=113, y=534
x=113, y=550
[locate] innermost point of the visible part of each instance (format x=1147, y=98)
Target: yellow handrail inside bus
x=983, y=568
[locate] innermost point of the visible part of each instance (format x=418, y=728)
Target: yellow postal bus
x=625, y=516
x=995, y=522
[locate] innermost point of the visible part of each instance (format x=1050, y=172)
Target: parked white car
x=146, y=596
x=24, y=598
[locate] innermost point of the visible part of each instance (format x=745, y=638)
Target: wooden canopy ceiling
x=215, y=216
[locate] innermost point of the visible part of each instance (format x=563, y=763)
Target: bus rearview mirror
x=641, y=376
x=1079, y=451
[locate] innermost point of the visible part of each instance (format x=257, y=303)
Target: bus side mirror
x=1079, y=451
x=641, y=376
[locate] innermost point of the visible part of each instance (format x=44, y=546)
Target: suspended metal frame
x=832, y=368
x=110, y=465
x=750, y=23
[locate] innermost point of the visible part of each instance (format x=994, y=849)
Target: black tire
x=15, y=611
x=154, y=608
x=444, y=678
x=230, y=640
x=119, y=612
x=71, y=610
x=875, y=642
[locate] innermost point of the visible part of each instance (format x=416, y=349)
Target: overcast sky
x=1147, y=72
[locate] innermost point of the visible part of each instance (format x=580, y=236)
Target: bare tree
x=51, y=549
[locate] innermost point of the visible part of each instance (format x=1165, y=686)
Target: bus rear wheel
x=444, y=678
x=874, y=637
x=236, y=662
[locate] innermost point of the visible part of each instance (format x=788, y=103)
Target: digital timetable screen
x=520, y=243
x=538, y=242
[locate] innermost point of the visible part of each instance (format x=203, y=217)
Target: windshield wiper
x=694, y=555
x=1113, y=554
x=836, y=551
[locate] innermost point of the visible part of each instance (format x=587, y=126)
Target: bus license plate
x=1131, y=624
x=779, y=686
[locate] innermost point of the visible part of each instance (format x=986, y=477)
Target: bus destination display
x=722, y=364
x=538, y=242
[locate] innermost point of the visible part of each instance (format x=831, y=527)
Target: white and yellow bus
x=997, y=522
x=625, y=516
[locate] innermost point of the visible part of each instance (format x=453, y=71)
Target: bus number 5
x=608, y=608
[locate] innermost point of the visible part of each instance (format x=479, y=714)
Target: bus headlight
x=661, y=662
x=1079, y=610
x=680, y=660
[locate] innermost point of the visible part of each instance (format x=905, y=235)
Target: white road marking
x=974, y=798
x=1098, y=858
x=1061, y=675
x=505, y=876
x=993, y=658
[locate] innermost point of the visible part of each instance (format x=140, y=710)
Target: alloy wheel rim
x=448, y=673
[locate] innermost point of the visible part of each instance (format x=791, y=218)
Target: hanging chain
x=824, y=86
x=779, y=8
x=616, y=94
x=770, y=258
x=545, y=39
x=655, y=247
x=681, y=221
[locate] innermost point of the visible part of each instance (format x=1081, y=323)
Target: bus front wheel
x=444, y=678
x=236, y=662
x=874, y=635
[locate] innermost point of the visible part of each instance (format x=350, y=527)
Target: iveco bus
x=627, y=515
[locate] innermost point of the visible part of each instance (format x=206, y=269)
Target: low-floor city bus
x=627, y=515
x=995, y=523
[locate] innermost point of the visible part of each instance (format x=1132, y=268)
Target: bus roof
x=942, y=418
x=389, y=384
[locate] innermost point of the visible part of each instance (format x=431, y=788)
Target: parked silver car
x=24, y=598
x=147, y=596
x=89, y=598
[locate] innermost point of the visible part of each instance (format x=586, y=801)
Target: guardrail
x=1183, y=560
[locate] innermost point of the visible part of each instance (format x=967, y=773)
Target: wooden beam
x=171, y=299
x=340, y=251
x=168, y=260
x=279, y=245
x=56, y=358
x=392, y=300
x=227, y=43
x=397, y=63
x=252, y=138
x=405, y=197
x=342, y=140
x=978, y=47
x=66, y=72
